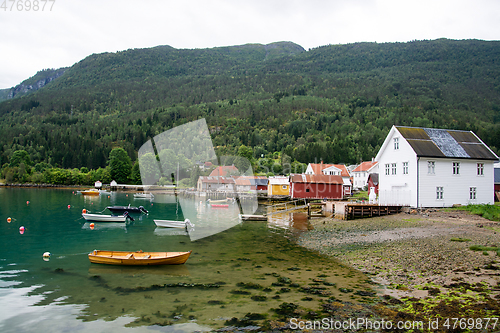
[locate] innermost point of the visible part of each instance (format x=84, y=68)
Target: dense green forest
x=334, y=103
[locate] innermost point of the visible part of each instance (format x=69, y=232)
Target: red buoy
x=91, y=226
x=27, y=202
x=9, y=219
x=21, y=230
x=69, y=206
x=84, y=211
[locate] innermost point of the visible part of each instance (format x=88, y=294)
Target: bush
x=490, y=212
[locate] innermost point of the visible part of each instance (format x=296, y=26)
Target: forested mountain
x=335, y=103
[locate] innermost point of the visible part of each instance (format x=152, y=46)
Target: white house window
x=387, y=169
x=396, y=143
x=393, y=165
x=439, y=192
x=405, y=168
x=456, y=168
x=472, y=193
x=431, y=167
x=480, y=169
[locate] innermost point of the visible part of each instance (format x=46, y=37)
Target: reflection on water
x=104, y=225
x=229, y=274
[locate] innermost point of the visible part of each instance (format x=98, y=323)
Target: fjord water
x=229, y=274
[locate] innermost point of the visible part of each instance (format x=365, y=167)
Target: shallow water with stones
x=253, y=267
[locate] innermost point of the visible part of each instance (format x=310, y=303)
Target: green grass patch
x=460, y=239
x=360, y=195
x=485, y=249
x=490, y=212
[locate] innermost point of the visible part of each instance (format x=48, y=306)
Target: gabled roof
x=365, y=166
x=434, y=142
x=374, y=178
x=323, y=179
x=223, y=171
x=318, y=168
x=278, y=180
x=240, y=181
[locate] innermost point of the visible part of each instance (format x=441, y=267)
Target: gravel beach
x=421, y=263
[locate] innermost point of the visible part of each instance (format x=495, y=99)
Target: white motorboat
x=106, y=218
x=174, y=224
x=144, y=196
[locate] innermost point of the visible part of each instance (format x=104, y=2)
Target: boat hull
x=128, y=209
x=90, y=192
x=219, y=206
x=143, y=196
x=171, y=224
x=104, y=218
x=128, y=258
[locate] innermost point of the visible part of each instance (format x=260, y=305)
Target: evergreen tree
x=120, y=165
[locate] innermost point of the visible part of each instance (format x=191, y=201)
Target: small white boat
x=210, y=201
x=174, y=224
x=106, y=218
x=143, y=196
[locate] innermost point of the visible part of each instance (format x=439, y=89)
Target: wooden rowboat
x=90, y=192
x=138, y=258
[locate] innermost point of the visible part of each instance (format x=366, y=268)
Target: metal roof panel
x=478, y=151
x=425, y=148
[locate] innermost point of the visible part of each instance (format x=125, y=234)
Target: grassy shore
x=434, y=265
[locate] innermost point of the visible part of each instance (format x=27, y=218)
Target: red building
x=316, y=187
x=373, y=182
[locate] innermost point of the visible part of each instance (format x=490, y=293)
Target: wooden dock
x=253, y=217
x=287, y=206
x=350, y=210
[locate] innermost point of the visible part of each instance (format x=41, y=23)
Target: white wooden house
x=427, y=167
x=361, y=172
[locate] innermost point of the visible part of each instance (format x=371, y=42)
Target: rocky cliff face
x=34, y=83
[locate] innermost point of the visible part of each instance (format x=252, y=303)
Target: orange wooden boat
x=138, y=258
x=90, y=192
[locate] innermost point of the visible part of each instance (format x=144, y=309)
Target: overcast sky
x=73, y=29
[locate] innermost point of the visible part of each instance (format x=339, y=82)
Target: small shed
x=243, y=184
x=497, y=183
x=278, y=185
x=373, y=182
x=316, y=187
x=261, y=183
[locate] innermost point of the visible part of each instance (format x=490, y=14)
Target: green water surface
x=252, y=267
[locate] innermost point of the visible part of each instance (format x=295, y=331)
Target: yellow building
x=278, y=185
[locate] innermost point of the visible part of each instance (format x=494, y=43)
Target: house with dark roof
x=373, y=183
x=428, y=167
